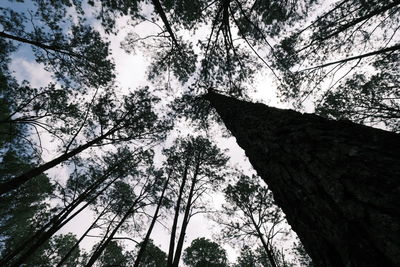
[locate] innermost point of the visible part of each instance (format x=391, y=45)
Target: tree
x=127, y=200
x=308, y=60
x=143, y=245
x=113, y=255
x=52, y=252
x=75, y=52
x=152, y=256
x=138, y=123
x=203, y=252
x=117, y=167
x=22, y=212
x=251, y=213
x=247, y=258
x=197, y=168
x=327, y=176
x=369, y=99
x=259, y=258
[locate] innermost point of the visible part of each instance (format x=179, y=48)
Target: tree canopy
x=133, y=155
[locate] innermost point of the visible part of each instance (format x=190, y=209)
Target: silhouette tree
x=152, y=255
x=197, y=168
x=250, y=213
x=204, y=252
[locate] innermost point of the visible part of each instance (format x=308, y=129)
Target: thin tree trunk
x=176, y=216
x=43, y=237
x=20, y=180
x=102, y=247
x=265, y=245
x=57, y=219
x=38, y=44
x=158, y=7
x=374, y=53
x=336, y=181
x=185, y=221
x=76, y=245
x=153, y=222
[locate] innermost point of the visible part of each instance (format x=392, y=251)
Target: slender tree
x=147, y=184
x=146, y=239
x=251, y=213
x=200, y=164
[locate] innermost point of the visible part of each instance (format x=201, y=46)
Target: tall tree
x=146, y=240
x=129, y=198
x=251, y=213
x=336, y=181
x=197, y=168
x=120, y=165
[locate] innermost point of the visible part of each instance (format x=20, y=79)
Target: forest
x=200, y=133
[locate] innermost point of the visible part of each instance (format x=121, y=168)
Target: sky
x=131, y=72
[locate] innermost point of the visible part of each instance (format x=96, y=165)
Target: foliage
x=250, y=210
x=114, y=255
x=301, y=255
x=204, y=252
x=230, y=41
x=153, y=256
x=370, y=99
x=323, y=63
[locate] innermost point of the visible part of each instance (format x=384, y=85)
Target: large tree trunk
x=337, y=182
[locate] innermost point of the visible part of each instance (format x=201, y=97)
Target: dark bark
x=176, y=216
x=20, y=180
x=158, y=7
x=337, y=182
x=186, y=218
x=153, y=222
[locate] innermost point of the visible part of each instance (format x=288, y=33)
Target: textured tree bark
x=337, y=182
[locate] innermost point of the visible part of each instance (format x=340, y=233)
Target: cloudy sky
x=132, y=73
